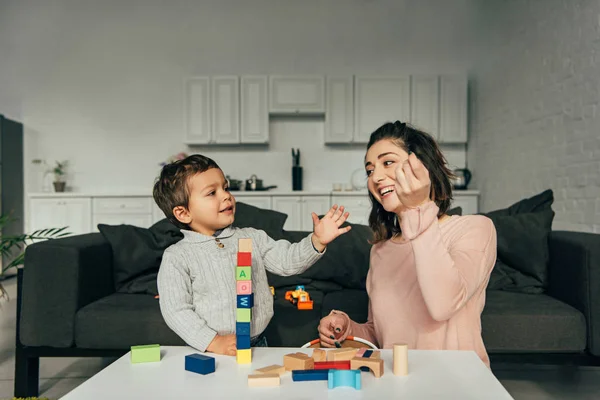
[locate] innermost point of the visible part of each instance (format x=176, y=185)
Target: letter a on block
x=243, y=273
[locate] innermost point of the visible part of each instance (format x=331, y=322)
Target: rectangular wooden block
x=262, y=380
x=332, y=365
x=298, y=361
x=244, y=315
x=145, y=353
x=319, y=355
x=245, y=245
x=243, y=274
x=199, y=364
x=244, y=356
x=245, y=300
x=242, y=328
x=344, y=354
x=310, y=375
x=242, y=342
x=244, y=259
x=271, y=369
x=244, y=287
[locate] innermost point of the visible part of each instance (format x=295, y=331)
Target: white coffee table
x=432, y=375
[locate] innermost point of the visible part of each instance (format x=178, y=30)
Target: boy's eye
x=211, y=193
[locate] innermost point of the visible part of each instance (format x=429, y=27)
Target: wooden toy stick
x=400, y=359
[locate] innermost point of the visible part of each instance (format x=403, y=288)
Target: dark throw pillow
x=270, y=221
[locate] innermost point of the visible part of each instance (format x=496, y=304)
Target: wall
x=534, y=108
x=100, y=83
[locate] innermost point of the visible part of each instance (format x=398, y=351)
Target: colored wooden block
x=361, y=352
x=310, y=375
x=319, y=355
x=242, y=342
x=271, y=369
x=376, y=354
x=199, y=364
x=243, y=274
x=344, y=354
x=244, y=356
x=244, y=315
x=245, y=300
x=338, y=377
x=145, y=353
x=374, y=364
x=262, y=380
x=297, y=361
x=245, y=245
x=244, y=259
x=332, y=365
x=242, y=328
x=244, y=287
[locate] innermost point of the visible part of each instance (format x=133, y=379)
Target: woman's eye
x=369, y=172
x=387, y=163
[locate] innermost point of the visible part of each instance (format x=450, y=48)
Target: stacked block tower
x=245, y=300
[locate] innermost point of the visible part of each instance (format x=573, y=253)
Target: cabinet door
x=291, y=206
x=74, y=213
x=256, y=201
x=297, y=94
x=254, y=112
x=359, y=207
x=468, y=203
x=424, y=104
x=339, y=117
x=225, y=96
x=453, y=109
x=140, y=220
x=379, y=100
x=309, y=204
x=197, y=111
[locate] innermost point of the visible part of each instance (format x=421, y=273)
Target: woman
x=428, y=271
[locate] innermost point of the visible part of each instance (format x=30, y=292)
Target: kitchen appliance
x=233, y=184
x=463, y=177
x=255, y=184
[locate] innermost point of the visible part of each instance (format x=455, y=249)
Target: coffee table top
x=432, y=374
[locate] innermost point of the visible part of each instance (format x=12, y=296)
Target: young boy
x=196, y=279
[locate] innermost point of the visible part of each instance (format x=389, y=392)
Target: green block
x=145, y=353
x=244, y=315
x=243, y=273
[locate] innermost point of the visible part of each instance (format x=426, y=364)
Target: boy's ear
x=182, y=214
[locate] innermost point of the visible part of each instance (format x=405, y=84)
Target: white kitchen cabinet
x=256, y=201
x=424, y=104
x=358, y=206
x=453, y=109
x=139, y=220
x=309, y=204
x=136, y=211
x=339, y=117
x=297, y=94
x=254, y=109
x=378, y=100
x=197, y=111
x=225, y=106
x=299, y=209
x=74, y=213
x=468, y=203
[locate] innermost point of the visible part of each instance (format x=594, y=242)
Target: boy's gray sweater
x=197, y=285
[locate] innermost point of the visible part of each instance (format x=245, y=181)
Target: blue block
x=242, y=342
x=341, y=377
x=199, y=364
x=368, y=353
x=310, y=375
x=245, y=300
x=242, y=328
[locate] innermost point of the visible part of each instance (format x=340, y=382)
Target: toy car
x=299, y=298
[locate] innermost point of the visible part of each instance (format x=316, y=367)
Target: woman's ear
x=182, y=214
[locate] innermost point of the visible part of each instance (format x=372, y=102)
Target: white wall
x=100, y=82
x=534, y=109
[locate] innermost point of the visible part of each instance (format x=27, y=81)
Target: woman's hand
x=413, y=186
x=333, y=329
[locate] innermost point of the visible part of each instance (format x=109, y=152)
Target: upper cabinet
x=425, y=104
x=225, y=101
x=255, y=111
x=197, y=111
x=296, y=94
x=453, y=109
x=378, y=100
x=339, y=116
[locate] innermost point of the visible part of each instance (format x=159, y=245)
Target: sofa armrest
x=60, y=276
x=574, y=277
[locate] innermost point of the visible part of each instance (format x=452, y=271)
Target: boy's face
x=211, y=207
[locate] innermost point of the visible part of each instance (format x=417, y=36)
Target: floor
x=58, y=376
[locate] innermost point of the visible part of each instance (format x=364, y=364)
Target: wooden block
x=374, y=364
x=242, y=328
x=339, y=377
x=361, y=352
x=298, y=361
x=245, y=245
x=244, y=259
x=332, y=365
x=242, y=342
x=244, y=315
x=145, y=353
x=245, y=300
x=243, y=274
x=375, y=354
x=271, y=369
x=344, y=354
x=310, y=375
x=319, y=355
x=400, y=359
x=199, y=364
x=263, y=380
x=244, y=356
x=244, y=287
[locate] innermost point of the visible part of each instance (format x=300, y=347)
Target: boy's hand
x=223, y=345
x=328, y=228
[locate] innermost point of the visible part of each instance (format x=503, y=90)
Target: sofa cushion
x=270, y=221
x=519, y=322
x=355, y=303
x=122, y=320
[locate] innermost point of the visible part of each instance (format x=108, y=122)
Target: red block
x=332, y=365
x=244, y=259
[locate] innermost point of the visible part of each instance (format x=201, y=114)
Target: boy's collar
x=196, y=237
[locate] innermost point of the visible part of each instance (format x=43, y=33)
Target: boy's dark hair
x=410, y=139
x=171, y=188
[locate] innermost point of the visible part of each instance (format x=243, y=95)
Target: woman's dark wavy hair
x=384, y=224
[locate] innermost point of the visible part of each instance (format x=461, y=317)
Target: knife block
x=296, y=178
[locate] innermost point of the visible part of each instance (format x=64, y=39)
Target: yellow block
x=244, y=356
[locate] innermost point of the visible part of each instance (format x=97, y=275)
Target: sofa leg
x=27, y=373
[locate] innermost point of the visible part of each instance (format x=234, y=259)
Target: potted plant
x=59, y=170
